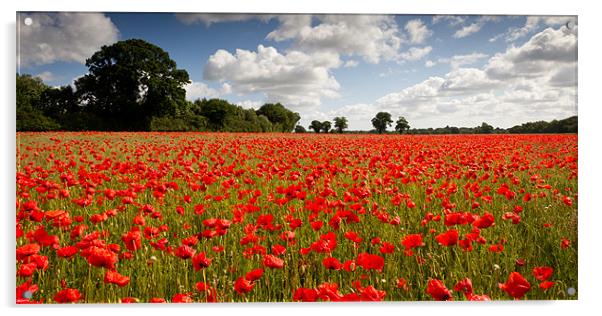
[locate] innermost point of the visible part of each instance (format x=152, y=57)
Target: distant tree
x=340, y=123
x=283, y=119
x=216, y=111
x=401, y=125
x=485, y=128
x=316, y=126
x=130, y=82
x=381, y=121
x=30, y=116
x=326, y=125
x=300, y=129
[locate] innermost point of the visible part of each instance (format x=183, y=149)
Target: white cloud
x=211, y=18
x=545, y=51
x=64, y=36
x=476, y=26
x=534, y=81
x=532, y=23
x=199, y=90
x=467, y=30
x=351, y=63
x=418, y=31
x=457, y=61
x=250, y=104
x=453, y=20
x=429, y=63
x=372, y=37
x=295, y=78
x=46, y=76
x=415, y=53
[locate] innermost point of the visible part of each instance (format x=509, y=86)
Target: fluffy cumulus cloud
x=200, y=90
x=453, y=20
x=474, y=27
x=544, y=51
x=533, y=23
x=457, y=61
x=372, y=37
x=415, y=53
x=418, y=31
x=65, y=36
x=294, y=78
x=534, y=81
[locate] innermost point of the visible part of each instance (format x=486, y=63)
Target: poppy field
x=218, y=217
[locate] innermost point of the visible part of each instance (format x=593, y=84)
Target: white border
x=590, y=283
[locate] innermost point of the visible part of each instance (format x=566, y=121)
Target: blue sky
x=434, y=70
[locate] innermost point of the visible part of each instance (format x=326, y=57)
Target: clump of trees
x=133, y=85
x=381, y=121
x=340, y=123
x=568, y=125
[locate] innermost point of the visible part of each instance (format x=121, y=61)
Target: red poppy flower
x=67, y=252
x=128, y=300
x=278, y=250
x=112, y=276
x=100, y=257
x=369, y=293
x=464, y=286
x=438, y=291
x=305, y=295
x=331, y=263
x=412, y=241
x=543, y=273
x=200, y=261
x=67, y=296
x=242, y=286
x=157, y=300
x=272, y=261
x=370, y=261
x=254, y=274
x=184, y=252
x=545, y=285
x=565, y=243
x=402, y=284
x=387, y=248
x=181, y=298
x=449, y=238
x=516, y=285
x=27, y=250
x=484, y=221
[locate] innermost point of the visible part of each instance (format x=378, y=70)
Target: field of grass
x=193, y=217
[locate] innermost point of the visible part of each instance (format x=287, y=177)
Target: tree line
x=133, y=85
x=383, y=120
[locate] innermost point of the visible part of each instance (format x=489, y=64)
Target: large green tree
x=401, y=125
x=283, y=119
x=316, y=126
x=326, y=125
x=30, y=116
x=381, y=121
x=130, y=82
x=340, y=123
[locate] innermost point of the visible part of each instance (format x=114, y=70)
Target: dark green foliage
x=381, y=121
x=300, y=129
x=568, y=125
x=316, y=126
x=340, y=123
x=401, y=125
x=326, y=126
x=129, y=83
x=283, y=120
